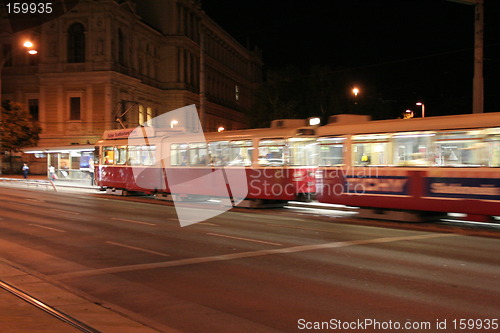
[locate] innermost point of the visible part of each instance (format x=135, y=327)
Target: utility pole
x=478, y=81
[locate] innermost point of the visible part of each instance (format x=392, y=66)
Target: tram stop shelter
x=70, y=163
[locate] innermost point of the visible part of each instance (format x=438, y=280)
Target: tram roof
x=464, y=121
x=125, y=134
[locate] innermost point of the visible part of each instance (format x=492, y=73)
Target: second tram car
x=446, y=164
x=279, y=162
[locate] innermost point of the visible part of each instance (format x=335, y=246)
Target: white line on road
x=207, y=223
x=245, y=239
x=301, y=228
x=132, y=221
x=44, y=227
x=242, y=255
x=64, y=211
x=138, y=249
x=35, y=200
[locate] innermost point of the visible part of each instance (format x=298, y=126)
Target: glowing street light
x=355, y=91
x=423, y=108
x=313, y=121
x=220, y=129
x=173, y=123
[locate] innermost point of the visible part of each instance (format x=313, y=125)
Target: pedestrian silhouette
x=25, y=170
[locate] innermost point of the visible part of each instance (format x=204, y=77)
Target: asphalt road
x=252, y=271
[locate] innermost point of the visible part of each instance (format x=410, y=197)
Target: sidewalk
x=17, y=315
x=43, y=180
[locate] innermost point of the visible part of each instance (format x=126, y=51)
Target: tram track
x=47, y=308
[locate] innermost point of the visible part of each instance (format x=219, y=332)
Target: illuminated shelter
x=71, y=163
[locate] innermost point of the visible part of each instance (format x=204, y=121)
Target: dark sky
x=403, y=50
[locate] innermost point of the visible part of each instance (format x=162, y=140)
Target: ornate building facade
x=109, y=59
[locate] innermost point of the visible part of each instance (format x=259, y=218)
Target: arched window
x=76, y=43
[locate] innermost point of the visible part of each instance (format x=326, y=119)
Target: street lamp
x=220, y=129
x=355, y=91
x=173, y=123
x=29, y=45
x=423, y=108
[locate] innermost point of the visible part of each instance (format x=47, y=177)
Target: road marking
x=242, y=255
x=207, y=223
x=301, y=228
x=35, y=200
x=48, y=228
x=64, y=211
x=138, y=248
x=132, y=221
x=245, y=239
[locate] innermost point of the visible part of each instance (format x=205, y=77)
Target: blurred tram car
x=279, y=163
x=423, y=166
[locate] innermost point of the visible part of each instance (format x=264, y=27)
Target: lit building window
x=142, y=114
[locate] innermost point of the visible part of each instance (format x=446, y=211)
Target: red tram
x=448, y=164
x=270, y=165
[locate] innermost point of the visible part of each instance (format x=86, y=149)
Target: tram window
x=198, y=154
x=370, y=149
x=413, y=148
x=303, y=151
x=134, y=155
x=148, y=155
x=331, y=151
x=219, y=153
x=464, y=148
x=108, y=155
x=121, y=155
x=491, y=149
x=240, y=153
x=272, y=152
x=179, y=154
